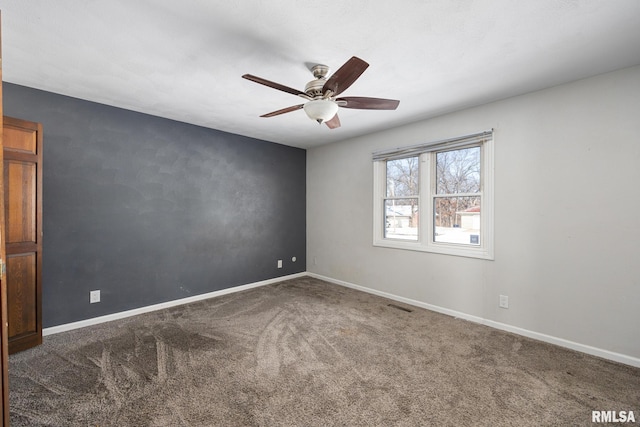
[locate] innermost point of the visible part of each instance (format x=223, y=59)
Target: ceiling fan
x=322, y=94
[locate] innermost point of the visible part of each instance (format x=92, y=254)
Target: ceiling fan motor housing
x=314, y=88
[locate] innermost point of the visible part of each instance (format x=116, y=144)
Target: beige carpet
x=308, y=353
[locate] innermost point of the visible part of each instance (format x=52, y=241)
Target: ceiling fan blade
x=273, y=84
x=364, y=103
x=284, y=110
x=333, y=123
x=345, y=76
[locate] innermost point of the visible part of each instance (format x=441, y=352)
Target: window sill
x=437, y=248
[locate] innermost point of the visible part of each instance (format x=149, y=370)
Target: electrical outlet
x=504, y=301
x=279, y=263
x=94, y=296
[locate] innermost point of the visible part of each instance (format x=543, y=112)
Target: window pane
x=457, y=220
x=458, y=171
x=401, y=219
x=402, y=177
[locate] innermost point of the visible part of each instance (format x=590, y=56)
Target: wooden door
x=23, y=231
x=4, y=355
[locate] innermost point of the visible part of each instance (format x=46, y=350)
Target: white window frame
x=427, y=194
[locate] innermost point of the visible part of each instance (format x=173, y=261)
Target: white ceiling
x=184, y=60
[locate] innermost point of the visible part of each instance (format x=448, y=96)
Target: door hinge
x=3, y=268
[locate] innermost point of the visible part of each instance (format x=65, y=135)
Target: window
x=401, y=199
x=436, y=197
x=457, y=198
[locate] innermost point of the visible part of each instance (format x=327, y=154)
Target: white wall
x=566, y=167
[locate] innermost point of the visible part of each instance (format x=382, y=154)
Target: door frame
x=4, y=345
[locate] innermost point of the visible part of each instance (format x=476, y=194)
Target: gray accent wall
x=150, y=210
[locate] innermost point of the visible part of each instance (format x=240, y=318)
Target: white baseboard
x=123, y=314
x=594, y=351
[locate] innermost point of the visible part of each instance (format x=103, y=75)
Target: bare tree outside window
x=458, y=171
x=402, y=177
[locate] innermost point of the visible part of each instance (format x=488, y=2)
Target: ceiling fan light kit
x=321, y=110
x=323, y=104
